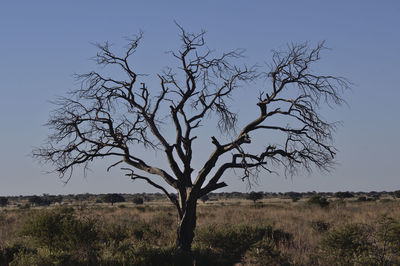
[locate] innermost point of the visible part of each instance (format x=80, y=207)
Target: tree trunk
x=186, y=226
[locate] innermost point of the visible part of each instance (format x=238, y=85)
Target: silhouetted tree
x=318, y=200
x=39, y=201
x=344, y=195
x=138, y=200
x=3, y=201
x=113, y=198
x=294, y=196
x=115, y=115
x=254, y=196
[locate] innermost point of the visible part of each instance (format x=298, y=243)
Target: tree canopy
x=118, y=115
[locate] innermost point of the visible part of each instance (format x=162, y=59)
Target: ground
x=274, y=231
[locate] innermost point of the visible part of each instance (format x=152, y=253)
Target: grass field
x=273, y=231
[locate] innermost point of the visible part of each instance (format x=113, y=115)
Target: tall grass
x=273, y=232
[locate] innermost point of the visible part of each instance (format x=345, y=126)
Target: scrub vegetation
x=363, y=229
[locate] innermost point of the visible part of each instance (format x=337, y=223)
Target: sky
x=43, y=43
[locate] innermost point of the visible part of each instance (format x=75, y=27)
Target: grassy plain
x=310, y=234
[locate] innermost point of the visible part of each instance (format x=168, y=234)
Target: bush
x=3, y=201
x=143, y=231
x=113, y=198
x=148, y=255
x=232, y=241
x=9, y=252
x=138, y=200
x=388, y=235
x=344, y=195
x=39, y=201
x=294, y=196
x=346, y=245
x=43, y=257
x=359, y=244
x=254, y=196
x=318, y=200
x=63, y=235
x=264, y=252
x=362, y=199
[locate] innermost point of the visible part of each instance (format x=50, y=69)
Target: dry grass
x=296, y=218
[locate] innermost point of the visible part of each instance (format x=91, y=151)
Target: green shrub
x=232, y=241
x=12, y=251
x=143, y=231
x=388, y=235
x=362, y=198
x=62, y=234
x=150, y=255
x=3, y=201
x=46, y=228
x=294, y=196
x=144, y=254
x=318, y=200
x=347, y=245
x=344, y=195
x=115, y=233
x=39, y=201
x=359, y=244
x=113, y=198
x=164, y=221
x=43, y=257
x=138, y=200
x=254, y=196
x=264, y=252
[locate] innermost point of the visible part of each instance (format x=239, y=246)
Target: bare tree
x=115, y=117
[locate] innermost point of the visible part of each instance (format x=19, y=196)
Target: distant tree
x=397, y=193
x=204, y=198
x=363, y=198
x=54, y=199
x=344, y=195
x=3, y=201
x=82, y=197
x=57, y=199
x=138, y=200
x=374, y=194
x=295, y=196
x=116, y=114
x=113, y=198
x=254, y=196
x=318, y=200
x=39, y=201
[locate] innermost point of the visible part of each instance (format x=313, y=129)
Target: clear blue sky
x=43, y=43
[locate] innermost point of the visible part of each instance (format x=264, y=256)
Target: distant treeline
x=140, y=198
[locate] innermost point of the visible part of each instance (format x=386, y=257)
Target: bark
x=186, y=226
